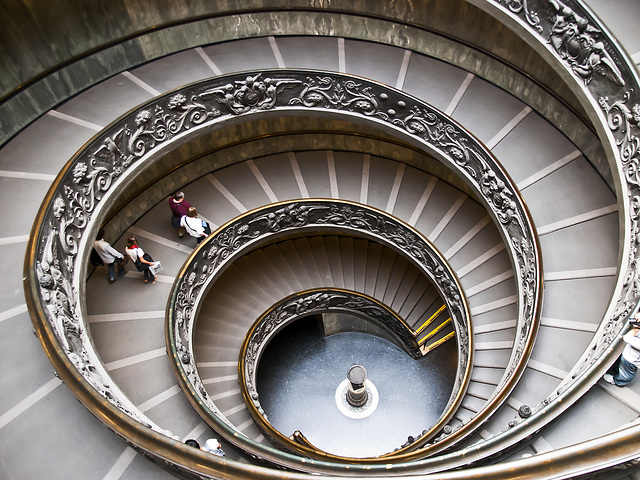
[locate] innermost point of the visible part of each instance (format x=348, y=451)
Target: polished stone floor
x=300, y=372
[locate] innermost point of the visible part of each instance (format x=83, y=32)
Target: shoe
x=607, y=377
x=112, y=279
x=155, y=279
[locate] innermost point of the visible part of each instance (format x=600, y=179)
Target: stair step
x=290, y=252
x=347, y=262
x=306, y=254
x=334, y=256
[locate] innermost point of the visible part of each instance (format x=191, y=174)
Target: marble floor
x=300, y=372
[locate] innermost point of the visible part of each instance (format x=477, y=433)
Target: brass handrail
x=430, y=319
x=321, y=300
x=428, y=348
x=80, y=196
x=625, y=301
x=264, y=225
x=434, y=331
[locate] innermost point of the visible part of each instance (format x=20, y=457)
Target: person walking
x=179, y=207
x=109, y=256
x=195, y=226
x=625, y=367
x=140, y=259
x=212, y=445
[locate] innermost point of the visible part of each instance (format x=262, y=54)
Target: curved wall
x=93, y=43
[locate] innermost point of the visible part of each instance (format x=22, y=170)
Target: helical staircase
x=457, y=172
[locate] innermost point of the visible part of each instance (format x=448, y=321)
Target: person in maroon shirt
x=179, y=207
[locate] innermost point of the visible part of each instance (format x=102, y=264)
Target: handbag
x=175, y=222
x=207, y=228
x=143, y=266
x=95, y=258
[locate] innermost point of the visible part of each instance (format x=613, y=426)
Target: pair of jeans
x=623, y=371
x=112, y=271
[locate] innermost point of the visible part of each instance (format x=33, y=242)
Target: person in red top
x=179, y=207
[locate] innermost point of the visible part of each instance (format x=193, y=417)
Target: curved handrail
x=622, y=120
x=323, y=300
x=103, y=49
x=80, y=195
x=592, y=59
x=261, y=226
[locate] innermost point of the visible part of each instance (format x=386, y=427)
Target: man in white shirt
x=624, y=369
x=108, y=254
x=213, y=446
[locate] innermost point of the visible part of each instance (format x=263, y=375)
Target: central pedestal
x=356, y=396
x=357, y=393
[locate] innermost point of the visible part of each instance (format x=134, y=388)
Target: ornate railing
x=264, y=226
x=319, y=301
x=79, y=199
x=573, y=39
x=588, y=52
x=55, y=299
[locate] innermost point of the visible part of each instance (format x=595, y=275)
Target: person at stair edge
x=179, y=207
x=196, y=227
x=213, y=446
x=625, y=367
x=109, y=255
x=142, y=260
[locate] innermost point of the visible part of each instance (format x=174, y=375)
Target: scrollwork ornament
x=343, y=95
x=219, y=249
x=77, y=203
x=193, y=113
x=517, y=6
x=624, y=121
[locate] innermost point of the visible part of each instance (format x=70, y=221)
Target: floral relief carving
x=343, y=95
x=257, y=227
x=102, y=164
x=575, y=39
x=522, y=6
x=612, y=82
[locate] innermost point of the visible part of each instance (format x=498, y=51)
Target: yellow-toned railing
x=435, y=331
x=429, y=320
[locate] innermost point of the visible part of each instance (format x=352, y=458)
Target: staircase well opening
x=301, y=368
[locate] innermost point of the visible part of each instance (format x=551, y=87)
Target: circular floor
x=300, y=371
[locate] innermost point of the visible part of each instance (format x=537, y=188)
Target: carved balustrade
x=77, y=203
x=264, y=226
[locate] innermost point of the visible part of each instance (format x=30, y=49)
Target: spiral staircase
x=528, y=395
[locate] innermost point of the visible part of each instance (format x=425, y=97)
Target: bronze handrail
x=614, y=107
x=80, y=196
x=333, y=9
x=264, y=225
x=321, y=300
